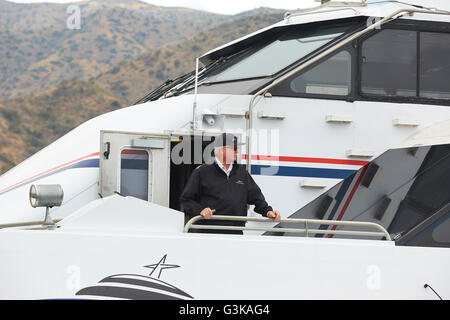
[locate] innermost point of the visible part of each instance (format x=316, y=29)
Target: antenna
x=194, y=111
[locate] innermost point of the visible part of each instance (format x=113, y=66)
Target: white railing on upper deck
x=307, y=231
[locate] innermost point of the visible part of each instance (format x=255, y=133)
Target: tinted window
x=134, y=174
x=435, y=65
x=429, y=192
x=435, y=235
x=276, y=56
x=389, y=64
x=279, y=53
x=332, y=77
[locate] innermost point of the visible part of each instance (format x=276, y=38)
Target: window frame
x=353, y=72
x=149, y=170
x=355, y=50
x=407, y=25
x=279, y=73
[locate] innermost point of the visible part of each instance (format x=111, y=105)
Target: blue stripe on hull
x=301, y=172
x=256, y=170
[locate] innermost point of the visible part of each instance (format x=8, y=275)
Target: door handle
x=108, y=150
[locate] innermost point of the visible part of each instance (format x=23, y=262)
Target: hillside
x=29, y=123
x=38, y=50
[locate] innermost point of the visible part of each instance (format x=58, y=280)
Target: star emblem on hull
x=160, y=266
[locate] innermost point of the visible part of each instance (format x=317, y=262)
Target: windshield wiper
x=169, y=86
x=183, y=83
x=162, y=89
x=208, y=70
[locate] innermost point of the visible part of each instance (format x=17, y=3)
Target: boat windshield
x=281, y=52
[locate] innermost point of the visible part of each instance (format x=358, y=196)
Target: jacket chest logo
x=239, y=182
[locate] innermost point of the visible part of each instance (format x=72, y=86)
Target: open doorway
x=193, y=151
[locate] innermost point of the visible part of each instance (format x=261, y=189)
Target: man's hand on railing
x=275, y=215
x=207, y=213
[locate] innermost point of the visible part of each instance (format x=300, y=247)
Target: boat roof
x=335, y=10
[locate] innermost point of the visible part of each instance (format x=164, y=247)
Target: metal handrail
x=306, y=231
x=332, y=5
x=25, y=224
x=296, y=14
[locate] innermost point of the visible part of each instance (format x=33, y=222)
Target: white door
x=135, y=164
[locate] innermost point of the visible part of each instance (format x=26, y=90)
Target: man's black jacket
x=209, y=187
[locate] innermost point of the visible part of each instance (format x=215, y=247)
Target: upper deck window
x=279, y=53
x=406, y=63
x=389, y=64
x=435, y=65
x=330, y=77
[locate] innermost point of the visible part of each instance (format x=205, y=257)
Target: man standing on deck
x=224, y=188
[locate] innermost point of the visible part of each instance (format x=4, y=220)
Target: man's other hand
x=275, y=215
x=207, y=213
